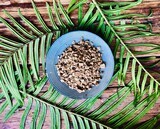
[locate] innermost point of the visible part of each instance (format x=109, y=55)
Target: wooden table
x=26, y=8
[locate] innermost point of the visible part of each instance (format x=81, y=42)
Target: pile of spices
x=79, y=66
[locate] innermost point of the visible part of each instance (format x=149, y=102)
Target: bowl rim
x=58, y=46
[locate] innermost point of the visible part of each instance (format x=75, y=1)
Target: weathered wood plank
x=26, y=8
x=14, y=121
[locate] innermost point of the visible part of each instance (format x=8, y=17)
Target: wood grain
x=26, y=8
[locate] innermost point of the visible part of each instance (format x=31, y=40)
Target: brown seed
x=102, y=66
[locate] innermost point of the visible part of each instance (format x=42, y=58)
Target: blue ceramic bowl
x=64, y=42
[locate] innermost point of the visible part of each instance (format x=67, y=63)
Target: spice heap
x=79, y=66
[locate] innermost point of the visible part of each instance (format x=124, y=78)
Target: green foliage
x=23, y=77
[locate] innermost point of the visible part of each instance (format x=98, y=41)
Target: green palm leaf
x=24, y=116
x=22, y=68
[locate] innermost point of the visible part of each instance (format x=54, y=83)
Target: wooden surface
x=26, y=8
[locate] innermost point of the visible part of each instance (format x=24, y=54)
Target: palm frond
x=150, y=124
x=22, y=68
x=135, y=61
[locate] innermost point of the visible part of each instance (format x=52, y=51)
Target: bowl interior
x=64, y=42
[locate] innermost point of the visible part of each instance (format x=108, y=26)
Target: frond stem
x=47, y=103
x=121, y=41
x=27, y=44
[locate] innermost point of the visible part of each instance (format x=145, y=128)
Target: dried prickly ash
x=79, y=66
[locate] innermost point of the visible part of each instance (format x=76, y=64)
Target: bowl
x=60, y=45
